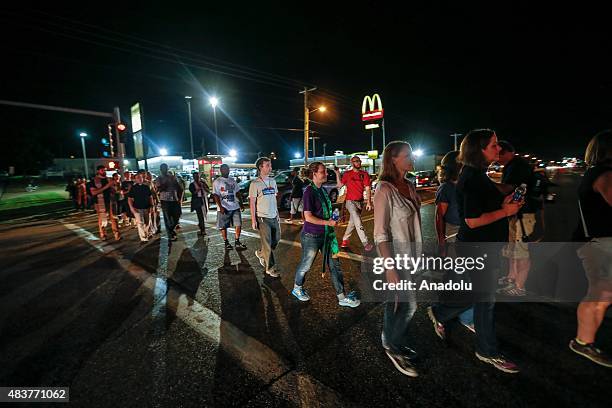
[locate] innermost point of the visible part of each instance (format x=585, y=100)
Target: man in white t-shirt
x=264, y=214
x=229, y=205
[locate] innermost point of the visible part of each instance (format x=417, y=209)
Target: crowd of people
x=470, y=208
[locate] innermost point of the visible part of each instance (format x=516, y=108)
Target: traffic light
x=121, y=128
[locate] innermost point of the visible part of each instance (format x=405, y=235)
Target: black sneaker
x=591, y=352
x=404, y=351
x=239, y=245
x=402, y=364
x=228, y=246
x=500, y=362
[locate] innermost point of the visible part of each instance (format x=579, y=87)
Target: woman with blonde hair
x=397, y=230
x=595, y=203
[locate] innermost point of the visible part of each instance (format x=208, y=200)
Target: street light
x=233, y=153
x=214, y=102
x=297, y=155
x=83, y=135
x=163, y=151
x=418, y=152
x=188, y=100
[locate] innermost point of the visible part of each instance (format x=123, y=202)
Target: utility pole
x=455, y=136
x=188, y=100
x=306, y=122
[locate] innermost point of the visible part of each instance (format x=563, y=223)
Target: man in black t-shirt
x=297, y=194
x=517, y=171
x=140, y=201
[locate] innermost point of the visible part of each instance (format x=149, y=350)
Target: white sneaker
x=259, y=256
x=301, y=294
x=350, y=300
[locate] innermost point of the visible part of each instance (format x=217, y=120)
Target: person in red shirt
x=356, y=181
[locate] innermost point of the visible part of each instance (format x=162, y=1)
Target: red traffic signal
x=121, y=126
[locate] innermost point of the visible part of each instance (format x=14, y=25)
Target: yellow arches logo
x=374, y=108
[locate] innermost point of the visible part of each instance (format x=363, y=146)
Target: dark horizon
x=539, y=81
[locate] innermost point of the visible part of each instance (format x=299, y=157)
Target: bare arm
x=368, y=191
x=339, y=184
x=96, y=191
x=253, y=207
x=441, y=209
x=309, y=217
x=603, y=186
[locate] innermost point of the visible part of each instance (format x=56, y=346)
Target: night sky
x=539, y=77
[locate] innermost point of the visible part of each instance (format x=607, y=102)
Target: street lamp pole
x=188, y=100
x=83, y=135
x=455, y=136
x=214, y=102
x=215, y=120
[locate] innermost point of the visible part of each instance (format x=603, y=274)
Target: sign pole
x=383, y=129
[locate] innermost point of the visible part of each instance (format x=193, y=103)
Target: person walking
x=102, y=190
x=297, y=193
x=484, y=213
x=140, y=200
x=169, y=193
x=226, y=193
x=199, y=200
x=264, y=214
x=81, y=194
x=317, y=235
x=517, y=171
x=357, y=182
x=595, y=205
x=155, y=216
x=397, y=232
x=181, y=199
x=447, y=218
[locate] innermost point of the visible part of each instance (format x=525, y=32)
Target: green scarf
x=330, y=243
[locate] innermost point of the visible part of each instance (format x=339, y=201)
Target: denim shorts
x=230, y=218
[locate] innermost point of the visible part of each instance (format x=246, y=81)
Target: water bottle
x=519, y=193
x=336, y=215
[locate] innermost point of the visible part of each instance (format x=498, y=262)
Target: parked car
x=282, y=179
x=426, y=179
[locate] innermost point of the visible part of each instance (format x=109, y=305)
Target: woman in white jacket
x=397, y=231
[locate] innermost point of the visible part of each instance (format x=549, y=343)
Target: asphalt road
x=194, y=325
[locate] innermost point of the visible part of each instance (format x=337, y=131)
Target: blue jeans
x=311, y=245
x=270, y=236
x=483, y=303
x=396, y=321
